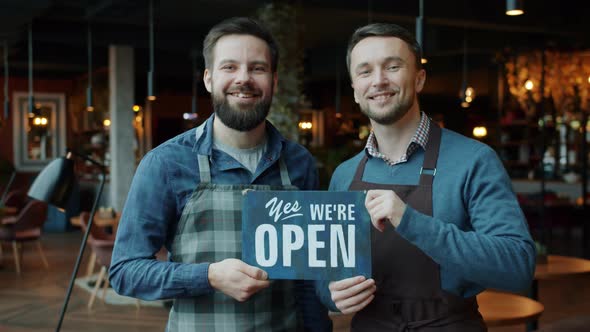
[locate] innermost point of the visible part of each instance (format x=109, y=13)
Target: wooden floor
x=32, y=301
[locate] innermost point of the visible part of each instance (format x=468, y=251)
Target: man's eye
x=364, y=72
x=393, y=68
x=260, y=69
x=228, y=67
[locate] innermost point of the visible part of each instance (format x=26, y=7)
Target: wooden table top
x=499, y=308
x=561, y=266
x=98, y=221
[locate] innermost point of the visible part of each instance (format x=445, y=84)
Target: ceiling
x=59, y=30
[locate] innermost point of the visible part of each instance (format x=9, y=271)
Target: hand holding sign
x=353, y=294
x=237, y=279
x=384, y=206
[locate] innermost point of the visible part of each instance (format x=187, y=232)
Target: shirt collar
x=204, y=144
x=419, y=139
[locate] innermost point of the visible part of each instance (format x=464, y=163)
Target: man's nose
x=242, y=76
x=379, y=78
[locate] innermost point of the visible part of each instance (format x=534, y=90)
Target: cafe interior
x=110, y=80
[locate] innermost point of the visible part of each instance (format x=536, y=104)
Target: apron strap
x=428, y=169
x=204, y=170
x=285, y=179
x=360, y=170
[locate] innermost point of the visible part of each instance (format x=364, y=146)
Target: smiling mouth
x=382, y=96
x=243, y=95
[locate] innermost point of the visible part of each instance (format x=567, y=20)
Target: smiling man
x=447, y=224
x=187, y=196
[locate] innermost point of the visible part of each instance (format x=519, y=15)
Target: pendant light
x=514, y=7
x=89, y=102
x=467, y=93
x=150, y=95
x=30, y=46
x=420, y=31
x=6, y=74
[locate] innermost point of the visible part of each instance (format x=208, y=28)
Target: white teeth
x=242, y=95
x=381, y=97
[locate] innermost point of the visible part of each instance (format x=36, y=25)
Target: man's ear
x=354, y=92
x=420, y=80
x=207, y=79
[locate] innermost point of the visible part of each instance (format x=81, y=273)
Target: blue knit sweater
x=478, y=234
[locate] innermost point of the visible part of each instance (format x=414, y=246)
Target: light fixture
x=54, y=185
x=106, y=122
x=467, y=93
x=136, y=108
x=528, y=85
x=305, y=125
x=514, y=7
x=150, y=95
x=30, y=46
x=195, y=84
x=89, y=102
x=480, y=132
x=6, y=97
x=420, y=31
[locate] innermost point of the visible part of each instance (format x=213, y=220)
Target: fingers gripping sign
x=237, y=279
x=384, y=206
x=353, y=294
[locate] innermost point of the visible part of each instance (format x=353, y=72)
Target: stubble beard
x=391, y=116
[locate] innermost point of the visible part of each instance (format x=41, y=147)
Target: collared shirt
x=419, y=139
x=162, y=185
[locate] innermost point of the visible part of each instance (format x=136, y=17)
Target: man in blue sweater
x=447, y=224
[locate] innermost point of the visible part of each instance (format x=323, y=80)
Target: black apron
x=409, y=295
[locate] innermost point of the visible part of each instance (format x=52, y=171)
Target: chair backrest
x=96, y=233
x=32, y=216
x=17, y=199
x=101, y=242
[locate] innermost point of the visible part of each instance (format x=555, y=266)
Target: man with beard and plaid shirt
x=186, y=196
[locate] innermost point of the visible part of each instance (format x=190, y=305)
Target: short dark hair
x=239, y=26
x=385, y=30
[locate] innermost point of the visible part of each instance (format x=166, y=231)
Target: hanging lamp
x=514, y=7
x=420, y=31
x=30, y=47
x=467, y=93
x=6, y=75
x=150, y=88
x=89, y=103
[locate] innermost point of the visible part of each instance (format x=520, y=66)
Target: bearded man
x=186, y=196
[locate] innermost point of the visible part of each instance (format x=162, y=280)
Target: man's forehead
x=231, y=46
x=378, y=47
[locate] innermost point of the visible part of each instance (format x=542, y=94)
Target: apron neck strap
x=428, y=169
x=285, y=180
x=204, y=170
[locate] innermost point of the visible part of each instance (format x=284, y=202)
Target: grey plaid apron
x=210, y=230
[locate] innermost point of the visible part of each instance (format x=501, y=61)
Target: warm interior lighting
x=514, y=12
x=588, y=79
x=529, y=85
x=424, y=60
x=136, y=108
x=90, y=109
x=305, y=125
x=151, y=98
x=37, y=121
x=480, y=132
x=514, y=7
x=44, y=121
x=106, y=122
x=338, y=115
x=138, y=119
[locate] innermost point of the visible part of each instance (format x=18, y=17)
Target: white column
x=122, y=136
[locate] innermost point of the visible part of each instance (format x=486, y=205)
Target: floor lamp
x=54, y=185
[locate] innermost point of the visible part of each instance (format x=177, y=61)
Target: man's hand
x=352, y=294
x=384, y=206
x=237, y=279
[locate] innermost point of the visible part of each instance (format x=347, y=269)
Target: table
x=497, y=309
x=557, y=267
x=100, y=222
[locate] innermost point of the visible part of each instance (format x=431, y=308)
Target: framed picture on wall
x=39, y=136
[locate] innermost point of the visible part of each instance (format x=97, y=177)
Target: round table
x=561, y=266
x=499, y=308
